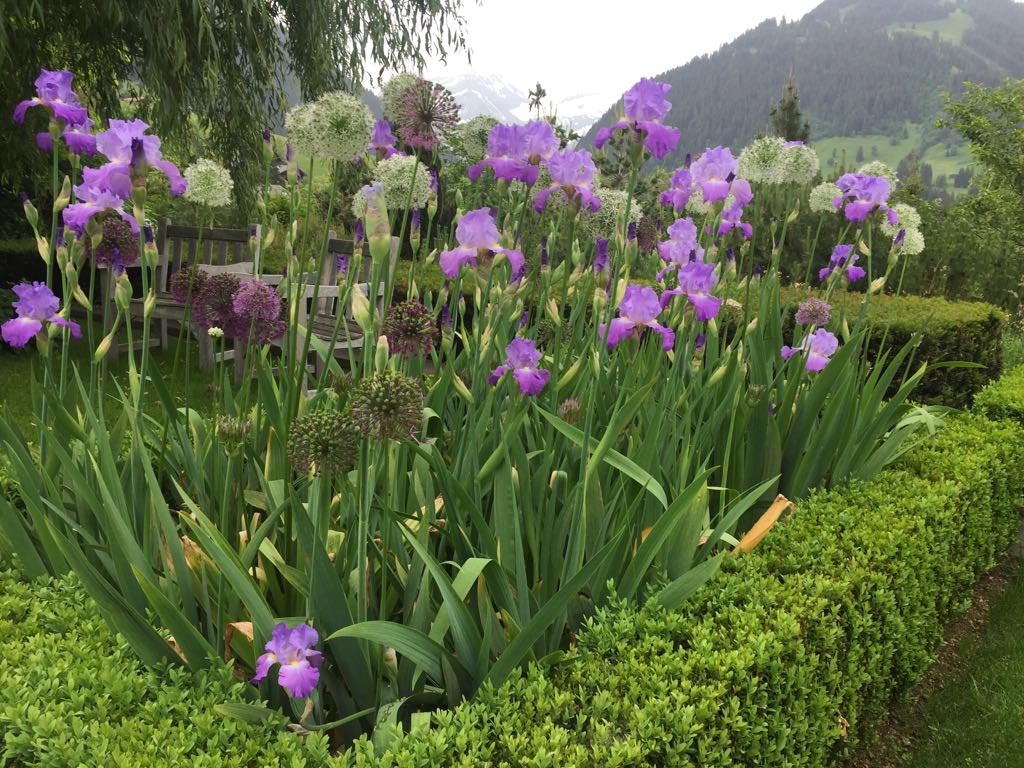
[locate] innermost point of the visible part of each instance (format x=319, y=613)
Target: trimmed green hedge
x=962, y=331
x=73, y=694
x=1003, y=399
x=788, y=658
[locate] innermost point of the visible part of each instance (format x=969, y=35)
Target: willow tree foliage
x=223, y=61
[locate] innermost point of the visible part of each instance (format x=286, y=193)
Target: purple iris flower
x=93, y=201
x=515, y=152
x=681, y=247
x=299, y=670
x=382, y=140
x=680, y=190
x=843, y=257
x=130, y=149
x=572, y=174
x=477, y=235
x=862, y=194
x=522, y=357
x=714, y=172
x=44, y=141
x=53, y=91
x=631, y=232
x=638, y=311
x=696, y=279
x=600, y=254
x=818, y=348
x=414, y=220
x=359, y=234
x=645, y=106
x=36, y=305
x=79, y=138
x=731, y=219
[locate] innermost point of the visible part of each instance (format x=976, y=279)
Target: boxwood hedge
x=787, y=659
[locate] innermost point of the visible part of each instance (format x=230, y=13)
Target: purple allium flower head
x=214, y=305
x=382, y=140
x=680, y=190
x=645, y=106
x=600, y=254
x=813, y=311
x=119, y=247
x=93, y=201
x=258, y=308
x=127, y=145
x=843, y=257
x=572, y=174
x=862, y=194
x=648, y=230
x=187, y=283
x=696, y=279
x=522, y=357
x=477, y=235
x=53, y=91
x=409, y=329
x=427, y=112
x=818, y=349
x=714, y=172
x=638, y=311
x=292, y=649
x=36, y=305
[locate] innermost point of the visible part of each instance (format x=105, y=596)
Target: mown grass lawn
x=977, y=719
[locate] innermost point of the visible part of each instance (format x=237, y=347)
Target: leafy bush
x=1003, y=399
x=960, y=331
x=72, y=693
x=788, y=658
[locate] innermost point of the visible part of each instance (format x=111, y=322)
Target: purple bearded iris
x=644, y=107
x=696, y=280
x=600, y=254
x=572, y=174
x=36, y=305
x=740, y=194
x=515, y=152
x=477, y=235
x=93, y=200
x=862, y=194
x=131, y=151
x=843, y=257
x=638, y=311
x=681, y=247
x=818, y=348
x=680, y=190
x=522, y=357
x=53, y=91
x=714, y=172
x=300, y=666
x=382, y=141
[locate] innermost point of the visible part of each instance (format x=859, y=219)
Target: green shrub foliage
x=787, y=660
x=792, y=654
x=73, y=694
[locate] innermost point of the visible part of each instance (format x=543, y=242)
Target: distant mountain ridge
x=874, y=68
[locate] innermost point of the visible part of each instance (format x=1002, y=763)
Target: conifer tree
x=786, y=118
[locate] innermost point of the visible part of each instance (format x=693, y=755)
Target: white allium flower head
x=474, y=135
x=602, y=222
x=909, y=219
x=878, y=168
x=821, y=196
x=696, y=206
x=214, y=332
x=761, y=161
x=913, y=243
x=392, y=91
x=209, y=184
x=800, y=164
x=396, y=177
x=337, y=126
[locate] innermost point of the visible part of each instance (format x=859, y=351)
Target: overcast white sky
x=574, y=47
